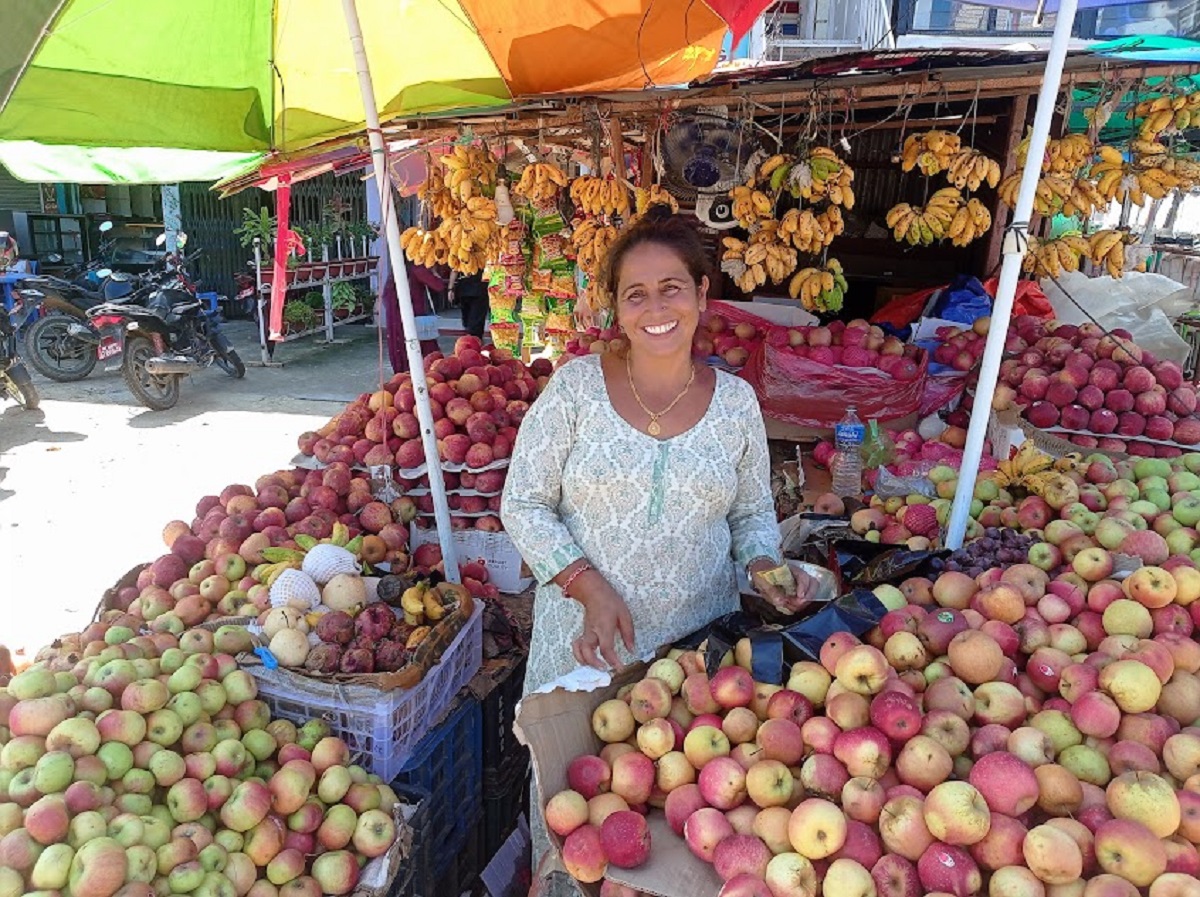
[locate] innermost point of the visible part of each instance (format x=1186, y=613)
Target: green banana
x=276, y=555
x=779, y=175
x=305, y=541
x=354, y=546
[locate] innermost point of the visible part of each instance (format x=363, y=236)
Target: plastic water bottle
x=848, y=438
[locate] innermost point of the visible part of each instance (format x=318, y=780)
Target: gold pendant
x=653, y=428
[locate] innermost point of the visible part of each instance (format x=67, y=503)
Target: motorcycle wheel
x=55, y=354
x=18, y=384
x=227, y=358
x=156, y=393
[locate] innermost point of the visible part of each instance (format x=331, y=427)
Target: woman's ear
x=702, y=293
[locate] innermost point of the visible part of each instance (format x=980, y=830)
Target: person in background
x=421, y=281
x=470, y=292
x=8, y=250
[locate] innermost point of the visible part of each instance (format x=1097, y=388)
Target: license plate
x=109, y=347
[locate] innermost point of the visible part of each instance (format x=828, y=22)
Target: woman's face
x=658, y=303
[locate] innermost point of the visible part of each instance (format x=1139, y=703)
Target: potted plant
x=298, y=316
x=336, y=213
x=298, y=258
x=344, y=300
x=320, y=234
x=361, y=235
x=258, y=226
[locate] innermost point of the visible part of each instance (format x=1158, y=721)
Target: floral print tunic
x=664, y=521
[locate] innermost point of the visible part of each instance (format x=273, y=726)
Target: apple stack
x=961, y=349
x=1101, y=389
x=857, y=344
x=140, y=765
x=996, y=734
x=478, y=400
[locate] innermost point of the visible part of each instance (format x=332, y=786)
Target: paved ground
x=88, y=481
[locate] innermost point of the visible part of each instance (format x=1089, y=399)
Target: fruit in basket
x=344, y=592
x=289, y=647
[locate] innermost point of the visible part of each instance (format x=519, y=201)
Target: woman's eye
x=671, y=289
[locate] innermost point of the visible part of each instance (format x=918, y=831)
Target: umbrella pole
x=412, y=343
x=1010, y=271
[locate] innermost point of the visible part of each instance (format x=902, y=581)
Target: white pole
x=1014, y=250
x=412, y=344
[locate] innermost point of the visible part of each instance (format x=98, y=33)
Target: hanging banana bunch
x=1106, y=248
x=1056, y=193
x=437, y=196
x=924, y=226
x=654, y=195
x=811, y=232
x=540, y=182
x=425, y=247
x=970, y=222
x=1050, y=258
x=819, y=176
x=1167, y=113
x=591, y=240
x=600, y=196
x=1064, y=155
x=751, y=206
x=765, y=256
x=469, y=171
x=1117, y=179
x=820, y=289
x=931, y=152
x=1186, y=171
x=971, y=169
x=473, y=236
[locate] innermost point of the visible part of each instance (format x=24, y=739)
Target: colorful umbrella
x=246, y=76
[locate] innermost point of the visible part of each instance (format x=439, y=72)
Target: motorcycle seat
x=184, y=307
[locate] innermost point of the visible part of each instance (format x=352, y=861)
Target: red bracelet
x=579, y=571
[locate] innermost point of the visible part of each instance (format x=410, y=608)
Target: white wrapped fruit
x=281, y=618
x=294, y=588
x=324, y=562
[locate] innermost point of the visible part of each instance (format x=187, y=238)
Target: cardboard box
x=496, y=551
x=557, y=727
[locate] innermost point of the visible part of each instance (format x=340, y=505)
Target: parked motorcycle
x=13, y=376
x=171, y=337
x=61, y=344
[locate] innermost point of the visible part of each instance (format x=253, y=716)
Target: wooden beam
x=616, y=148
x=1018, y=115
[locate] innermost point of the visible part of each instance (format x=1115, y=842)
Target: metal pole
x=1010, y=271
x=412, y=344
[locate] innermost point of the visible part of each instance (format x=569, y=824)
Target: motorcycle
x=13, y=376
x=61, y=344
x=170, y=337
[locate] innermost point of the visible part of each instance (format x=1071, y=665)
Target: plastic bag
x=1028, y=300
x=903, y=310
x=889, y=485
x=963, y=301
x=806, y=393
x=855, y=612
x=877, y=448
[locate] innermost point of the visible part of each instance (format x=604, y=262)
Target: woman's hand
x=605, y=614
x=806, y=588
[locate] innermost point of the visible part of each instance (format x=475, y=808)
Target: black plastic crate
x=415, y=866
x=446, y=764
x=460, y=865
x=499, y=714
x=505, y=798
x=439, y=869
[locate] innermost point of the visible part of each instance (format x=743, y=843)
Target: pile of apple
x=140, y=765
x=594, y=341
x=961, y=349
x=1103, y=389
x=992, y=735
x=478, y=399
x=914, y=456
x=731, y=342
x=857, y=344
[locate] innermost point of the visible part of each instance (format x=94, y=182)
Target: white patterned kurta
x=663, y=521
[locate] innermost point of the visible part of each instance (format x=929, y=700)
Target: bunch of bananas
x=421, y=603
x=654, y=195
x=599, y=196
x=425, y=247
x=277, y=559
x=1167, y=113
x=1051, y=258
x=1107, y=248
x=820, y=289
x=1034, y=470
x=821, y=176
x=765, y=255
x=970, y=222
x=1186, y=171
x=436, y=196
x=924, y=226
x=970, y=168
x=540, y=182
x=1117, y=179
x=473, y=236
x=751, y=206
x=930, y=151
x=1064, y=193
x=591, y=240
x=1066, y=155
x=468, y=170
x=811, y=233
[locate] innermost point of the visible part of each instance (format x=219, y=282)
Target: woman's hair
x=660, y=226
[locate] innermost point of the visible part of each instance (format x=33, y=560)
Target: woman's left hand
x=806, y=589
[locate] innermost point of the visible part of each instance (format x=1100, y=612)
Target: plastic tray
x=382, y=727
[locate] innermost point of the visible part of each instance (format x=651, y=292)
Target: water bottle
x=848, y=438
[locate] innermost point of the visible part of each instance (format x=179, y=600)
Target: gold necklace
x=653, y=428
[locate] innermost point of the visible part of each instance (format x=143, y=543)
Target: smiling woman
x=638, y=483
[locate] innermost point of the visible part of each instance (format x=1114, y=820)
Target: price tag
x=383, y=484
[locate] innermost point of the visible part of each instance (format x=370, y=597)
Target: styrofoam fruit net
x=324, y=562
x=295, y=588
